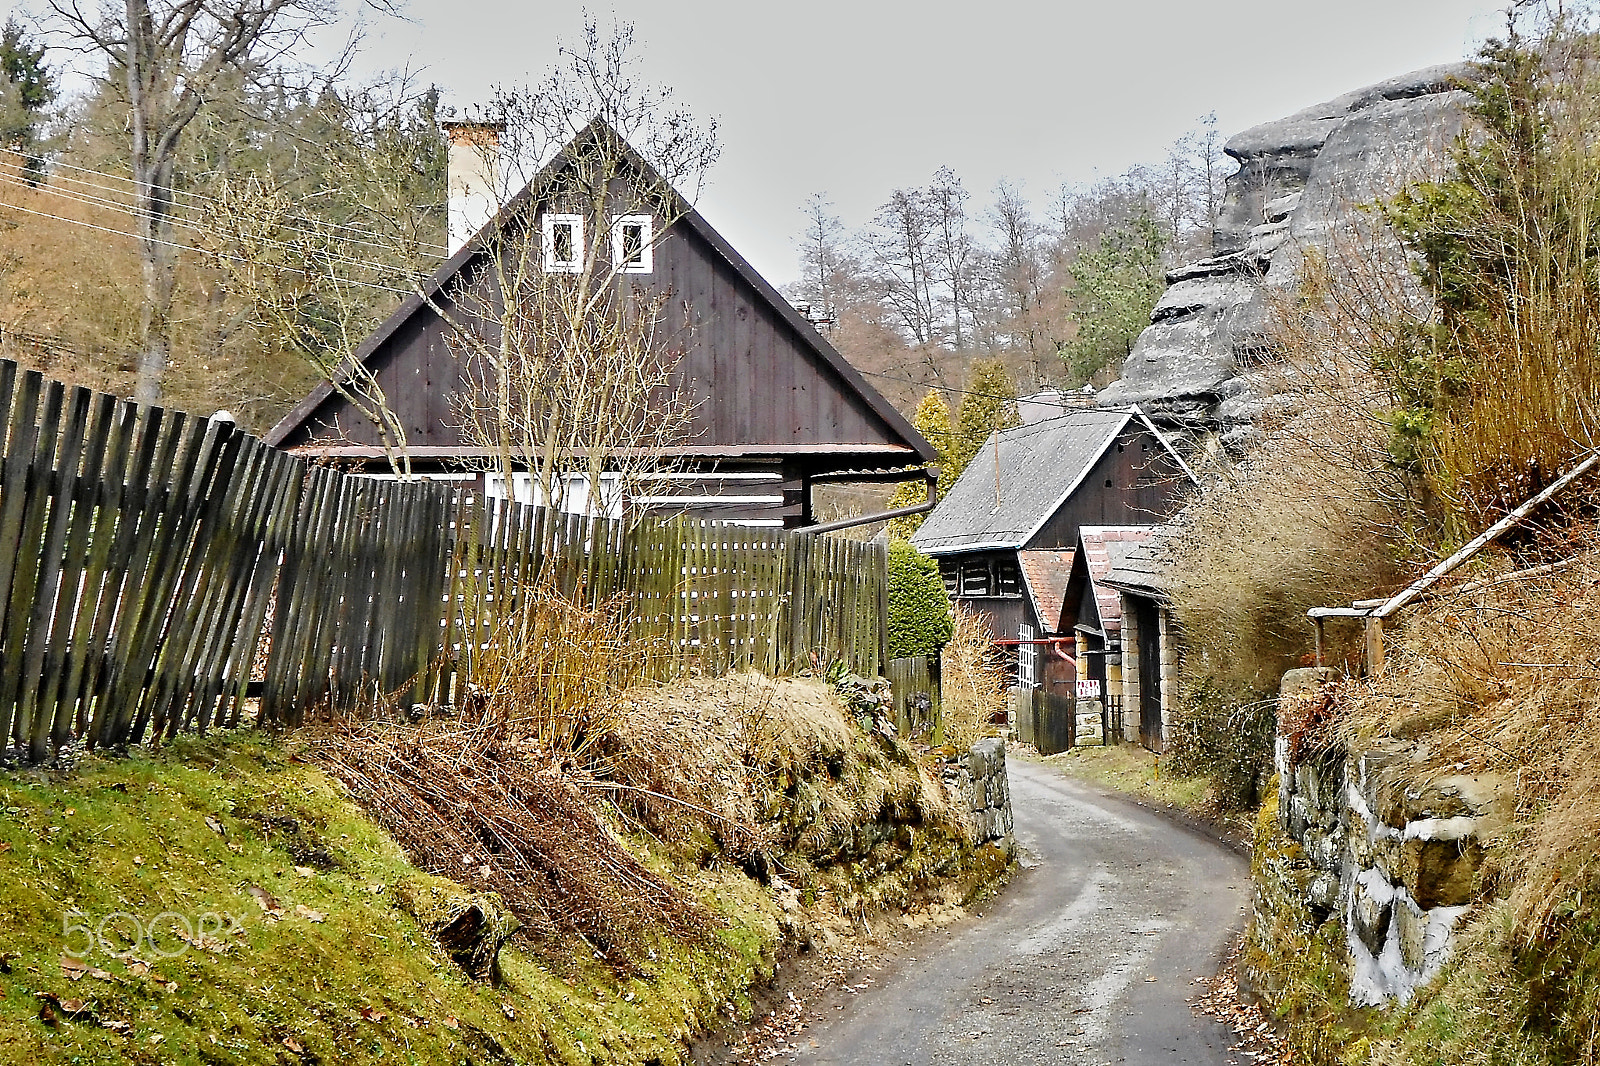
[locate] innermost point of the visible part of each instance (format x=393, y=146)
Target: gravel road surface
x=1090, y=957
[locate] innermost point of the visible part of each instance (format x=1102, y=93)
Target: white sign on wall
x=1089, y=689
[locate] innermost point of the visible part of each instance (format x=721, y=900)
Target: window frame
x=548, y=223
x=1027, y=657
x=619, y=225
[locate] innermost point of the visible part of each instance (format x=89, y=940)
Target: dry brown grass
x=554, y=670
x=476, y=802
x=525, y=789
x=972, y=680
x=1296, y=526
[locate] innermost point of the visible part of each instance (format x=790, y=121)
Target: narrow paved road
x=1091, y=956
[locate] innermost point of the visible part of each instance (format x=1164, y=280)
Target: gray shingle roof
x=1039, y=466
x=1144, y=569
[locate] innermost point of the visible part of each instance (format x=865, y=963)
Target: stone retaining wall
x=980, y=776
x=1389, y=848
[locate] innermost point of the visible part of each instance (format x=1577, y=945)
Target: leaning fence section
x=150, y=562
x=914, y=682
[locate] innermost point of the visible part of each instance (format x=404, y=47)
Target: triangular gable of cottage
x=766, y=383
x=1090, y=599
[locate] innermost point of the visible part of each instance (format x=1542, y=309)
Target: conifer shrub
x=919, y=611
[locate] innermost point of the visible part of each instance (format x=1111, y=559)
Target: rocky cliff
x=1301, y=181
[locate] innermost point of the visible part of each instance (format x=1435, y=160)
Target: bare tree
x=900, y=243
x=571, y=351
x=826, y=264
x=174, y=56
x=954, y=254
x=1019, y=273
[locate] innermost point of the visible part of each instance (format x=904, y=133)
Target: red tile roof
x=1045, y=574
x=1103, y=548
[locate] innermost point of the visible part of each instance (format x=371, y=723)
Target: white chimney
x=473, y=181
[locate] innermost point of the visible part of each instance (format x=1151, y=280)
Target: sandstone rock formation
x=1301, y=180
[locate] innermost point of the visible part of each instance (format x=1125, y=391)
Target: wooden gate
x=914, y=684
x=1055, y=721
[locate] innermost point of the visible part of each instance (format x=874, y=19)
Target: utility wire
x=95, y=201
x=169, y=244
x=54, y=164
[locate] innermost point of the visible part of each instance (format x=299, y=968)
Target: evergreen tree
x=932, y=419
x=1114, y=287
x=27, y=88
x=989, y=404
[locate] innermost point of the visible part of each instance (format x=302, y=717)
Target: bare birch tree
x=571, y=351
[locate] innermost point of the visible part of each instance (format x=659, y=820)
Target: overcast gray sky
x=857, y=97
x=854, y=98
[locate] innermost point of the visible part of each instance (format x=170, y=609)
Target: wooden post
x=1374, y=646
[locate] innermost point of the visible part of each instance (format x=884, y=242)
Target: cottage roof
x=1000, y=503
x=1102, y=548
x=1143, y=569
x=899, y=445
x=1044, y=575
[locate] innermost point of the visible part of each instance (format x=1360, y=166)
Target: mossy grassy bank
x=223, y=901
x=1502, y=1000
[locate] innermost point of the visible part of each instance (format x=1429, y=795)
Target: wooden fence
x=147, y=558
x=1045, y=720
x=914, y=682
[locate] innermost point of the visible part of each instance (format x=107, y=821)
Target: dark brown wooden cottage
x=779, y=410
x=1015, y=514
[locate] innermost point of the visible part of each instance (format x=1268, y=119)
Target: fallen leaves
x=308, y=914
x=75, y=969
x=1257, y=1038
x=266, y=901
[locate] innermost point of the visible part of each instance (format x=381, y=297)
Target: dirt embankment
x=447, y=890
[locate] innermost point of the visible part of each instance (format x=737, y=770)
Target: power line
x=169, y=244
x=54, y=164
x=200, y=229
x=95, y=201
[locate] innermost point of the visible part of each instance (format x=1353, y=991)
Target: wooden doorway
x=1148, y=619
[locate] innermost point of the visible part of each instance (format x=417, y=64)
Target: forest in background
x=304, y=204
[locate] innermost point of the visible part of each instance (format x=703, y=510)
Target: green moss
x=309, y=950
x=207, y=834
x=1131, y=769
x=1297, y=965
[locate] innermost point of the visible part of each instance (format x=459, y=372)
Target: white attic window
x=632, y=244
x=563, y=243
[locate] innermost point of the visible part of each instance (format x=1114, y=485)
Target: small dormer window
x=563, y=243
x=632, y=244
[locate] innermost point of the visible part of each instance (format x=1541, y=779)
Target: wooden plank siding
x=767, y=387
x=756, y=383
x=148, y=556
x=1135, y=482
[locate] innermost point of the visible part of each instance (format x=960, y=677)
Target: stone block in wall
x=1458, y=796
x=1370, y=899
x=1411, y=932
x=1323, y=892
x=1440, y=873
x=1305, y=682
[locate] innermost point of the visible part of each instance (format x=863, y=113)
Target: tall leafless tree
x=571, y=355
x=175, y=56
